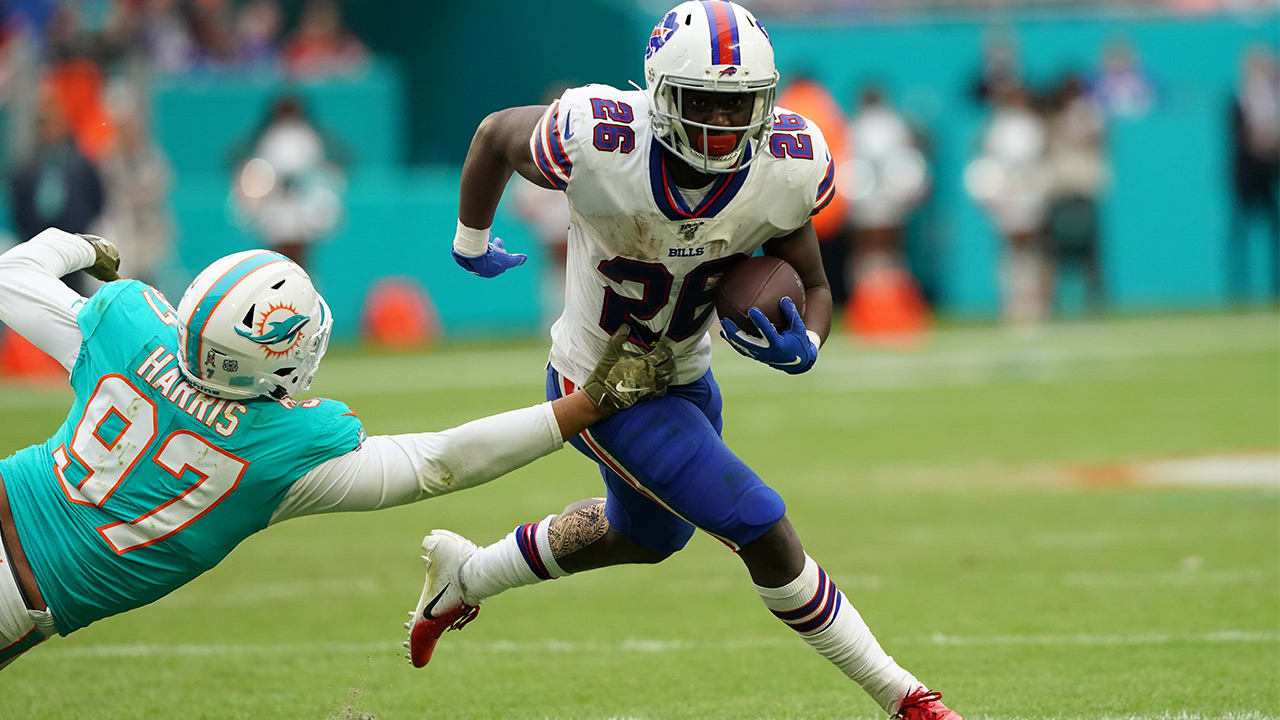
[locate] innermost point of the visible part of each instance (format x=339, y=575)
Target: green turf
x=935, y=484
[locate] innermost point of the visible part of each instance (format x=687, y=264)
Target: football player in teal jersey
x=184, y=437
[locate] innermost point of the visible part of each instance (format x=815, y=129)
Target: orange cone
x=20, y=360
x=887, y=304
x=399, y=314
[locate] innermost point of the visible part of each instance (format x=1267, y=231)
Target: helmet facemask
x=672, y=126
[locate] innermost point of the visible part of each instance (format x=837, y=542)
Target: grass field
x=1080, y=524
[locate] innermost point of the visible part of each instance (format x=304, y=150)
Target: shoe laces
x=918, y=699
x=467, y=616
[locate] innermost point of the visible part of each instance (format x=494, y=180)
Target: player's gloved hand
x=493, y=262
x=791, y=351
x=619, y=382
x=107, y=265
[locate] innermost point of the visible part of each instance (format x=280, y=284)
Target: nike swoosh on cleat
x=797, y=361
x=426, y=611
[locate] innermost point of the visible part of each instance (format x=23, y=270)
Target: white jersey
x=643, y=252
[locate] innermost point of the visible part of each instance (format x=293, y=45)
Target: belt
x=26, y=580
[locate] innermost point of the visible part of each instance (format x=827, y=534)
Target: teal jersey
x=149, y=482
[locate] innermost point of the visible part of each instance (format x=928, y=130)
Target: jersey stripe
x=548, y=150
x=17, y=647
x=826, y=188
x=219, y=289
x=672, y=204
x=724, y=33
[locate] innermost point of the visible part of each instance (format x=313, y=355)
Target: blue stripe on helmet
x=214, y=295
x=733, y=33
x=715, y=32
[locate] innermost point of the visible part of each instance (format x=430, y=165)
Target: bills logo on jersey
x=661, y=33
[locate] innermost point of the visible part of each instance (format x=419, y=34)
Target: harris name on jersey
x=160, y=370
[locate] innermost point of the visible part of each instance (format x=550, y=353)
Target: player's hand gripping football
x=106, y=267
x=618, y=381
x=495, y=260
x=791, y=351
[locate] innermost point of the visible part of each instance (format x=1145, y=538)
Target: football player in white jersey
x=668, y=187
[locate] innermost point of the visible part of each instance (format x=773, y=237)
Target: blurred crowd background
x=1013, y=159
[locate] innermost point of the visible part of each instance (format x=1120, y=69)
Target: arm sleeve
x=34, y=302
x=389, y=470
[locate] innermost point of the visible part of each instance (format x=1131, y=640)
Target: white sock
x=523, y=557
x=813, y=607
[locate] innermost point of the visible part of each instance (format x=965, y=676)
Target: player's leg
x=800, y=594
x=625, y=527
x=579, y=539
x=678, y=459
x=18, y=629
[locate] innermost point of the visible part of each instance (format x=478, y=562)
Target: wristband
x=470, y=242
x=813, y=336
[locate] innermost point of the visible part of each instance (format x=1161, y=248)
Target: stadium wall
x=1166, y=212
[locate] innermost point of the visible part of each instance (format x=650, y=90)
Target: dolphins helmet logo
x=731, y=70
x=661, y=34
x=278, y=330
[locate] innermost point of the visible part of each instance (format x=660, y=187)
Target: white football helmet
x=252, y=325
x=719, y=47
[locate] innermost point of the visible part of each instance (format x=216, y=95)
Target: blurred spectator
x=166, y=36
x=136, y=176
x=999, y=67
x=1010, y=180
x=1123, y=88
x=1255, y=146
x=288, y=190
x=75, y=79
x=213, y=30
x=885, y=178
x=806, y=96
x=321, y=45
x=546, y=212
x=1078, y=173
x=257, y=34
x=57, y=186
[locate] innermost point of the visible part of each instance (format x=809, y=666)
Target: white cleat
x=440, y=607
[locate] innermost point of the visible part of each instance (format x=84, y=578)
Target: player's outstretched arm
x=35, y=303
x=499, y=147
x=391, y=470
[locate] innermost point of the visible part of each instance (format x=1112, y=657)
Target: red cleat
x=440, y=607
x=925, y=704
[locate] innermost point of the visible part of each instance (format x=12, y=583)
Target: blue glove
x=792, y=351
x=492, y=263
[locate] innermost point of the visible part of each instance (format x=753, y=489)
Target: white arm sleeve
x=389, y=470
x=34, y=302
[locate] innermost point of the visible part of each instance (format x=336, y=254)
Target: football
x=758, y=282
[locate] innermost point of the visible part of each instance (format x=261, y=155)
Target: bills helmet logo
x=731, y=70
x=661, y=33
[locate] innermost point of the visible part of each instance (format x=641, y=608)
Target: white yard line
x=57, y=651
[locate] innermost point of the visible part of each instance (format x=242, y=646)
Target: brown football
x=758, y=282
